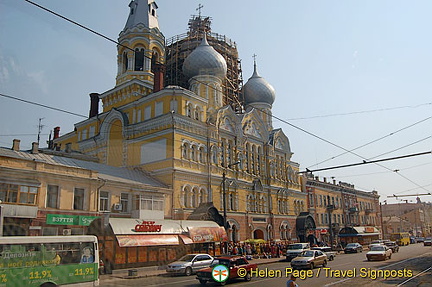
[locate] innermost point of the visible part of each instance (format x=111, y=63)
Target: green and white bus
x=48, y=261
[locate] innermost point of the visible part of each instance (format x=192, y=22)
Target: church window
x=189, y=110
x=173, y=106
x=139, y=59
x=214, y=155
x=159, y=109
x=201, y=155
x=139, y=116
x=193, y=153
x=147, y=113
x=185, y=151
x=197, y=113
x=247, y=158
x=125, y=62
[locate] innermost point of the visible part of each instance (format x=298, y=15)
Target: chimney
x=56, y=132
x=16, y=145
x=35, y=148
x=158, y=80
x=94, y=105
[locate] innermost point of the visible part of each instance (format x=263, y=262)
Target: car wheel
x=325, y=263
x=248, y=277
x=312, y=266
x=188, y=271
x=203, y=282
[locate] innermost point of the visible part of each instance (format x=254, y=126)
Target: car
x=377, y=242
x=233, y=264
x=420, y=239
x=413, y=240
x=327, y=251
x=294, y=250
x=379, y=252
x=393, y=246
x=427, y=241
x=189, y=264
x=309, y=259
x=353, y=248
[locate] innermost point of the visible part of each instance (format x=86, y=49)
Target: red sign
x=148, y=226
x=369, y=229
x=323, y=231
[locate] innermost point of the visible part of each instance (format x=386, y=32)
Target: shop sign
x=148, y=226
x=369, y=230
x=323, y=231
x=64, y=219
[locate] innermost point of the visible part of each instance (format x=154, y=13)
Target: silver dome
x=258, y=90
x=205, y=60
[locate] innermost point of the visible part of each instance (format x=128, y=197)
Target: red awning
x=147, y=240
x=186, y=240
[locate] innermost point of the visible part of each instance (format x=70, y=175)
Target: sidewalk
x=160, y=270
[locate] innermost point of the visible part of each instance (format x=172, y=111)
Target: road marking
x=426, y=270
x=396, y=263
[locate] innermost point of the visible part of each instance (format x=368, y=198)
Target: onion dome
x=205, y=60
x=258, y=90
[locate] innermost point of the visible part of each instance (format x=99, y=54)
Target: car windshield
x=377, y=248
x=295, y=246
x=219, y=262
x=351, y=245
x=307, y=254
x=187, y=258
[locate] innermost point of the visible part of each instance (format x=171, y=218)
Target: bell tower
x=141, y=47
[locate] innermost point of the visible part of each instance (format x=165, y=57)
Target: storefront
x=129, y=242
x=361, y=234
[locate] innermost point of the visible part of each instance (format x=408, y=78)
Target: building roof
x=106, y=172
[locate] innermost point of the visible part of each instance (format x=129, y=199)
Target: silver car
x=309, y=259
x=189, y=264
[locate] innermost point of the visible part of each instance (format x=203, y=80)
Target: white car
x=379, y=252
x=189, y=264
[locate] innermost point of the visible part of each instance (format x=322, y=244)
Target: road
x=413, y=262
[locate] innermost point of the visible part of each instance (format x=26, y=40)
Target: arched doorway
x=258, y=234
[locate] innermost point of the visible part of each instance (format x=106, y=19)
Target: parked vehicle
x=189, y=264
x=379, y=252
x=353, y=248
x=309, y=259
x=413, y=240
x=233, y=264
x=393, y=246
x=327, y=251
x=420, y=239
x=427, y=241
x=294, y=250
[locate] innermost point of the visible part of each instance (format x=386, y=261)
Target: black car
x=353, y=248
x=392, y=245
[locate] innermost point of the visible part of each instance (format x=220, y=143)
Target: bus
x=401, y=238
x=48, y=261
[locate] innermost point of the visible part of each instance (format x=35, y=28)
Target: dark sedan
x=353, y=248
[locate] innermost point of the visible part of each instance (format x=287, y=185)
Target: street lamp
x=224, y=193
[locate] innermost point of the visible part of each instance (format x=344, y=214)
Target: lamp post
x=224, y=194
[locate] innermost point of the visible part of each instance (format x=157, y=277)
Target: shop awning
x=147, y=240
x=358, y=231
x=207, y=234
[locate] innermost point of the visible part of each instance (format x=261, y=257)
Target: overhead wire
x=111, y=40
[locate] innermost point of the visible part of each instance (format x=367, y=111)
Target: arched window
x=125, y=62
x=185, y=151
x=186, y=201
x=139, y=59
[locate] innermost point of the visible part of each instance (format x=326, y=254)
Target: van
x=294, y=250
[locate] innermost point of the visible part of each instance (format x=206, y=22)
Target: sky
x=352, y=78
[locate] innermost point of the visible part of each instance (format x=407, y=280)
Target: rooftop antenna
x=40, y=127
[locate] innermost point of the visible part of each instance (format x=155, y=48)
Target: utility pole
x=224, y=194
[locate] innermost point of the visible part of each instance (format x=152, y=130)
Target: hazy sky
x=347, y=74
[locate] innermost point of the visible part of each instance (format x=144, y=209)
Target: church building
x=219, y=157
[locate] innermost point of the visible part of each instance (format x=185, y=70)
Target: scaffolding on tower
x=180, y=46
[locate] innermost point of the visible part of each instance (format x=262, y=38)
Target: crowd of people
x=256, y=250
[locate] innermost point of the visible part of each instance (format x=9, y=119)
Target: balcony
x=353, y=210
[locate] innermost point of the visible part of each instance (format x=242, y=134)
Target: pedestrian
x=291, y=282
